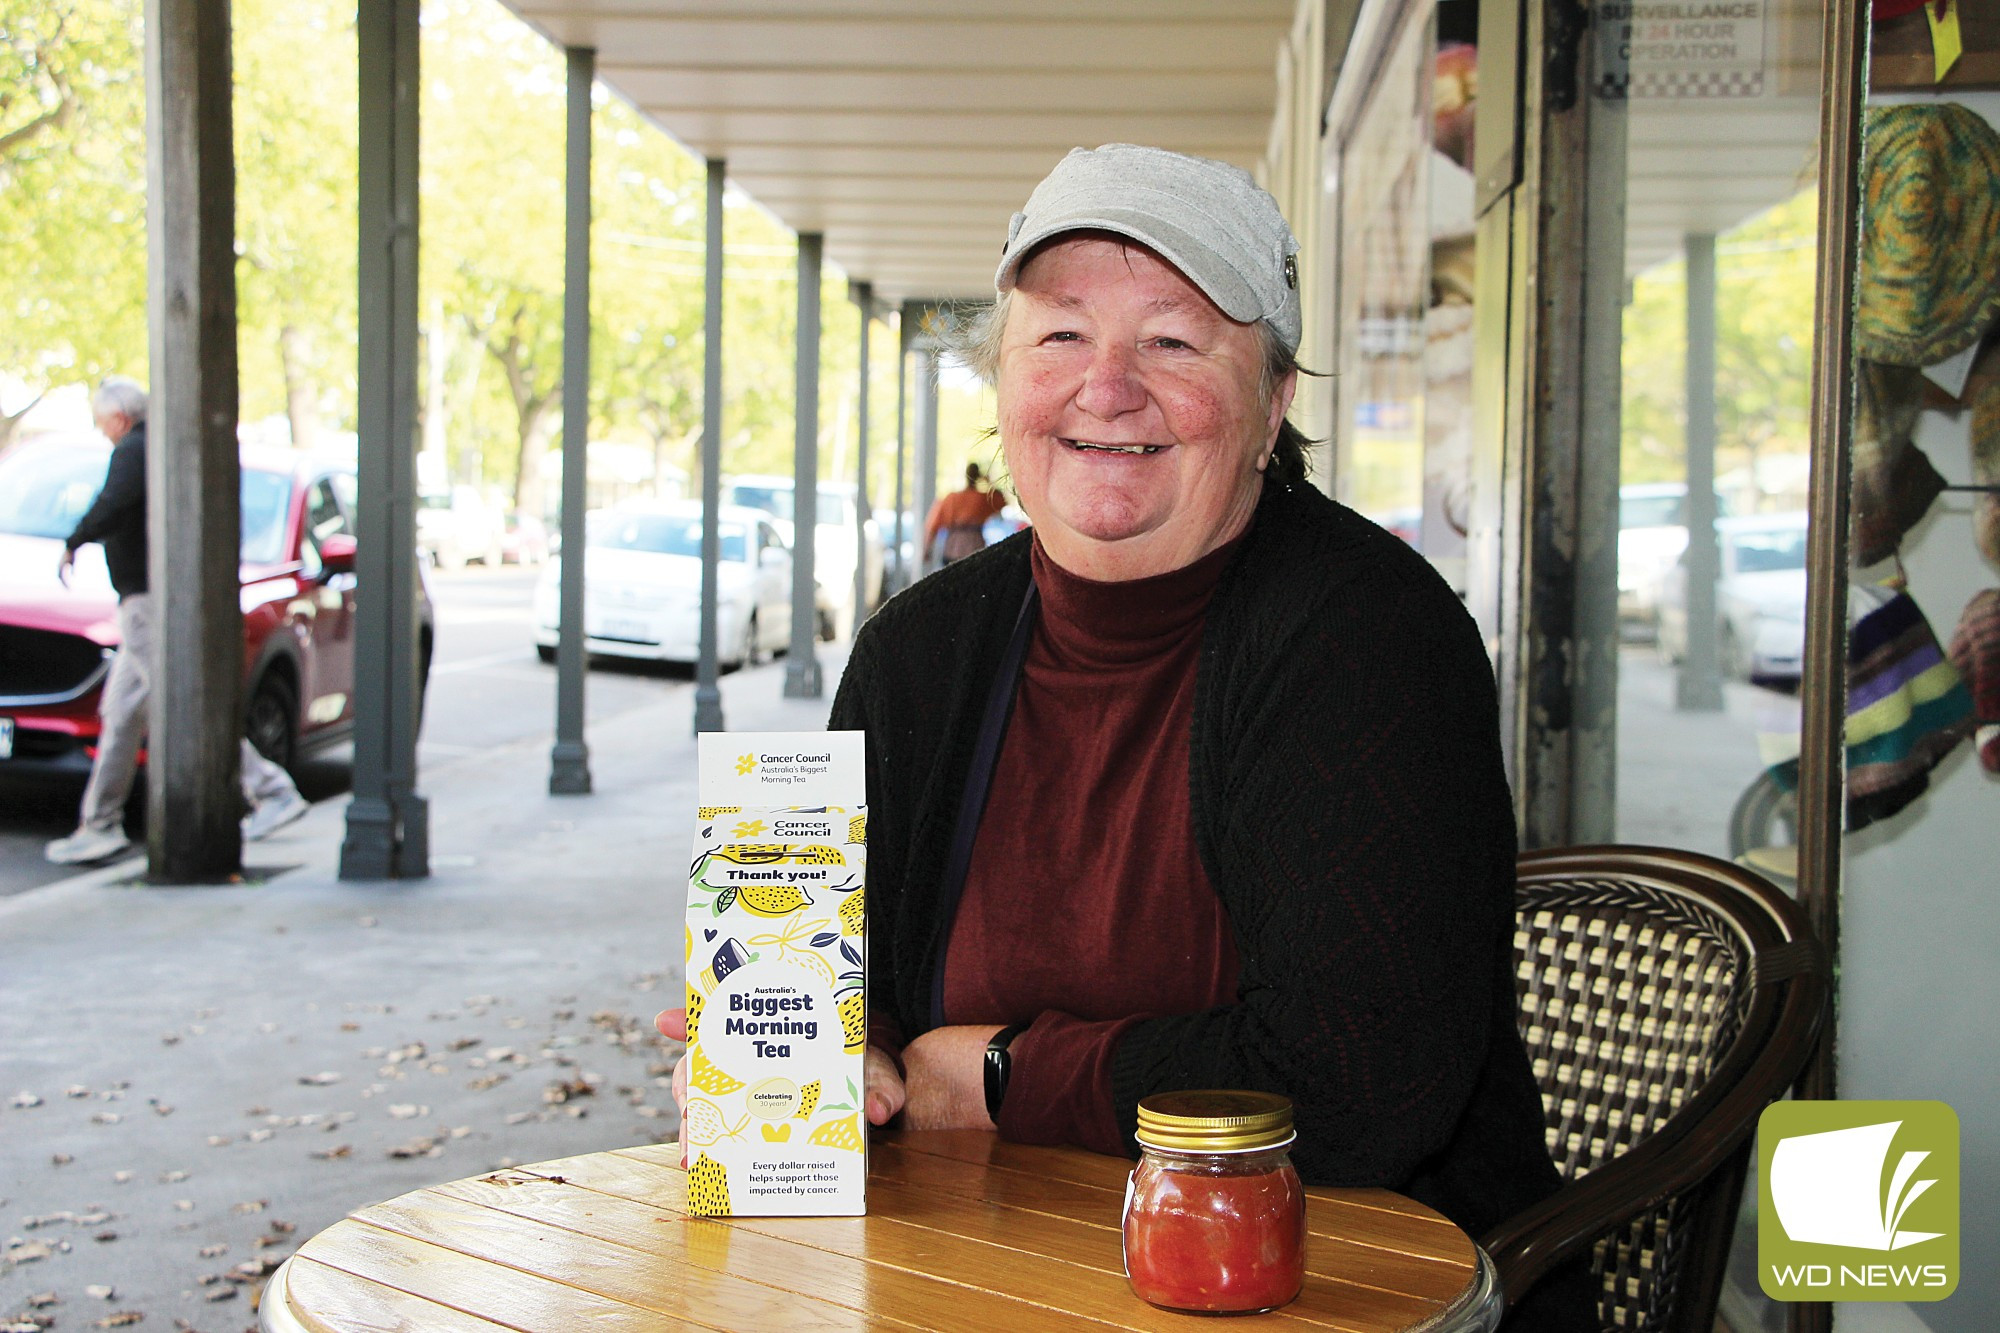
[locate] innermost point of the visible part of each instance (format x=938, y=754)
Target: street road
x=487, y=688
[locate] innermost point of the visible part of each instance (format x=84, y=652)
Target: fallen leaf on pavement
x=121, y=1319
x=211, y=1251
x=252, y=1269
x=564, y=1089
x=254, y=1206
x=41, y=1300
x=319, y=1080
x=105, y=1235
x=408, y=1111
x=331, y=1154
x=170, y=1039
x=464, y=1043
x=61, y=1159
x=26, y=1252
x=159, y=1107
x=121, y=1177
x=283, y=1228
x=105, y=1118
x=76, y=1090
x=220, y=1140
x=369, y=922
x=172, y=1177
x=101, y=1292
x=415, y=1148
x=183, y=1205
x=486, y=1081
x=220, y=1294
x=24, y=1101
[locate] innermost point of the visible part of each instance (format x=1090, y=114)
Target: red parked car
x=298, y=606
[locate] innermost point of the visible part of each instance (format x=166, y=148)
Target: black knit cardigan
x=1350, y=809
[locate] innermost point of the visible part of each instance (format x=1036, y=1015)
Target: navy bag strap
x=985, y=759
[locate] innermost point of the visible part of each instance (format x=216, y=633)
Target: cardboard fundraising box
x=775, y=959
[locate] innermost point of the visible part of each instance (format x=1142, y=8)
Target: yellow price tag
x=1947, y=43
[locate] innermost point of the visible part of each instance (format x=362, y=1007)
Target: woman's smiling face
x=1131, y=410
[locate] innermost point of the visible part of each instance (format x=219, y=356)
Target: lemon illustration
x=844, y=1134
x=695, y=1002
x=813, y=854
x=711, y=811
x=708, y=1188
x=704, y=1075
x=851, y=915
x=772, y=899
x=857, y=830
x=853, y=1023
x=808, y=1100
x=701, y=1123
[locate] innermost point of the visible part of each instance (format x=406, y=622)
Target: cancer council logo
x=1857, y=1201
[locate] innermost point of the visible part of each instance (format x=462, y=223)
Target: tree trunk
x=294, y=345
x=435, y=407
x=537, y=426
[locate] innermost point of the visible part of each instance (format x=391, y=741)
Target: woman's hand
x=882, y=1088
x=945, y=1071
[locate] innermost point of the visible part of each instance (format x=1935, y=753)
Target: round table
x=964, y=1233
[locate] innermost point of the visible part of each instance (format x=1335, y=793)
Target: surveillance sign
x=1681, y=48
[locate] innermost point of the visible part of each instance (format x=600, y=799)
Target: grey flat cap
x=1208, y=219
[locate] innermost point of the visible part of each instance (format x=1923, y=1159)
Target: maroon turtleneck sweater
x=1086, y=905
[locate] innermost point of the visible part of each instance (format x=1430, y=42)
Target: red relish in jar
x=1215, y=1216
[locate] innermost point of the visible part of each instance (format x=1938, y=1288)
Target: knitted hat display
x=1929, y=281
x=1907, y=709
x=1975, y=651
x=1894, y=482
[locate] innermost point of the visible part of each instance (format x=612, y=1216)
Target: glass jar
x=1215, y=1216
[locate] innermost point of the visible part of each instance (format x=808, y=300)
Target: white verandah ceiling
x=907, y=131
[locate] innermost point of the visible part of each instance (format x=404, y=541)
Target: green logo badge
x=1857, y=1201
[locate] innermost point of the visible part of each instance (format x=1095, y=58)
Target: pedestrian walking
x=116, y=519
x=961, y=516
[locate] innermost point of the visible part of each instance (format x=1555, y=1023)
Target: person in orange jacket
x=962, y=516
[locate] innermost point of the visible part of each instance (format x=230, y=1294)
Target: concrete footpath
x=194, y=1081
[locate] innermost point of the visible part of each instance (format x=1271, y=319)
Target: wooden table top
x=964, y=1232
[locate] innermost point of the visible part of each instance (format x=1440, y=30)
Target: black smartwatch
x=999, y=1064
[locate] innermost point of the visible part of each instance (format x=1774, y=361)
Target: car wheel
x=271, y=722
x=546, y=651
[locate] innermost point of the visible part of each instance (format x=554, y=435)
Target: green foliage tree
x=72, y=195
x=296, y=210
x=1764, y=335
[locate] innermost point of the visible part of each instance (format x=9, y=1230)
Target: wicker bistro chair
x=1666, y=999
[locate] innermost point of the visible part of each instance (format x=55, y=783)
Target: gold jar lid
x=1214, y=1120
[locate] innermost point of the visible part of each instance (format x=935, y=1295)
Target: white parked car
x=1652, y=533
x=1760, y=601
x=642, y=585
x=457, y=526
x=833, y=546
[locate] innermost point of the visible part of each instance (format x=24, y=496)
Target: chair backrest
x=1666, y=998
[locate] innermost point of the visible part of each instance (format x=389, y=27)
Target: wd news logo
x=1857, y=1201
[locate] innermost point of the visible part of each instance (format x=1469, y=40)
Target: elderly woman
x=1197, y=784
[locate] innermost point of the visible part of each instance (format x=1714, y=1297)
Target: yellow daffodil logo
x=750, y=828
x=745, y=764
